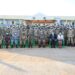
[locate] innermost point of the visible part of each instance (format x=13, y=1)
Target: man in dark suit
x=53, y=39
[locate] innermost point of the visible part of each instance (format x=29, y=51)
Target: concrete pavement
x=37, y=61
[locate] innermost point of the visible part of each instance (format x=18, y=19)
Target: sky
x=32, y=7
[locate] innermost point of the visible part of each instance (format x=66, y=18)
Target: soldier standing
x=15, y=35
x=23, y=39
x=36, y=35
x=41, y=39
x=1, y=38
x=70, y=36
x=31, y=37
x=7, y=39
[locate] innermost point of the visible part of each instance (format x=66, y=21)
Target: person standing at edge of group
x=53, y=39
x=70, y=36
x=1, y=38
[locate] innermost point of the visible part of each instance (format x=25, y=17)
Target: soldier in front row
x=41, y=39
x=70, y=36
x=7, y=39
x=23, y=37
x=1, y=38
x=22, y=40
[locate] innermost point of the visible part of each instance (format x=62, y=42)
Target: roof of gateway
x=38, y=16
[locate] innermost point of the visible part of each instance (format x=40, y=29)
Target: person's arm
x=55, y=37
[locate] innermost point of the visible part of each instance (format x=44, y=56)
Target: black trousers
x=41, y=43
x=0, y=45
x=7, y=44
x=53, y=42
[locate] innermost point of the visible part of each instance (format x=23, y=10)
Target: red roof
x=41, y=21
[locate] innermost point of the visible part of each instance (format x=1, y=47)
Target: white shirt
x=60, y=37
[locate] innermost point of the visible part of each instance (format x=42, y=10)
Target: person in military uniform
x=65, y=35
x=15, y=35
x=70, y=36
x=36, y=32
x=41, y=39
x=31, y=37
x=73, y=24
x=7, y=39
x=1, y=38
x=22, y=39
x=46, y=36
x=57, y=29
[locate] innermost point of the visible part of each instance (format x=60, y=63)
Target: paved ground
x=37, y=61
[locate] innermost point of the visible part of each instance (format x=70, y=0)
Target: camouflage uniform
x=46, y=36
x=36, y=35
x=41, y=39
x=74, y=37
x=23, y=38
x=57, y=30
x=1, y=38
x=31, y=37
x=70, y=36
x=65, y=36
x=7, y=39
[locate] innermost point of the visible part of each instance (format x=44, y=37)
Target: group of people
x=31, y=37
x=52, y=40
